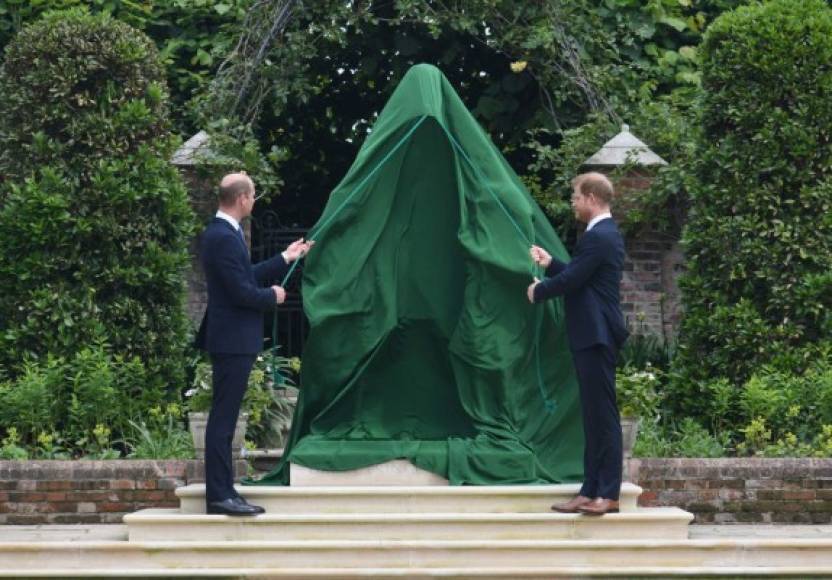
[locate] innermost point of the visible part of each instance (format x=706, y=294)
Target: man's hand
x=279, y=294
x=297, y=249
x=530, y=291
x=540, y=256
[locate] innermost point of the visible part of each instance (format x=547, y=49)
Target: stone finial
x=624, y=149
x=194, y=151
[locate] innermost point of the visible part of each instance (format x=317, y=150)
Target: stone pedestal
x=396, y=472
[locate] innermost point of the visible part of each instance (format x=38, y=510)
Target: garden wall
x=717, y=491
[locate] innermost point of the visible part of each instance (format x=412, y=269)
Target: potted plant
x=637, y=400
x=266, y=412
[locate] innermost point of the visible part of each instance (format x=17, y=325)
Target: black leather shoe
x=231, y=507
x=242, y=501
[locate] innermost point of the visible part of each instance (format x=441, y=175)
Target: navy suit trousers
x=603, y=455
x=231, y=373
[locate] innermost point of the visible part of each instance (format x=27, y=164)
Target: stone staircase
x=405, y=514
x=413, y=532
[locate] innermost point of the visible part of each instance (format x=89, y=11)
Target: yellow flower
x=519, y=66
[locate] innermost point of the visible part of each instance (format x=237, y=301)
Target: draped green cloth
x=423, y=344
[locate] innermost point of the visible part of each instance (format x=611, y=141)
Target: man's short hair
x=596, y=184
x=232, y=187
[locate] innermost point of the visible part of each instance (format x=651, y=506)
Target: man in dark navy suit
x=232, y=330
x=595, y=326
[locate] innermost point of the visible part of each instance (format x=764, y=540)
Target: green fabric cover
x=422, y=340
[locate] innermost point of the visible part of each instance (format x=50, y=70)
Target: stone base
x=397, y=472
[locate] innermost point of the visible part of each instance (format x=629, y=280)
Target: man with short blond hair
x=590, y=285
x=232, y=330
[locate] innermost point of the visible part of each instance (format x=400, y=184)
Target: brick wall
x=204, y=203
x=741, y=491
x=650, y=297
x=716, y=491
x=91, y=492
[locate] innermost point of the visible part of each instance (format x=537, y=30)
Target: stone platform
x=395, y=531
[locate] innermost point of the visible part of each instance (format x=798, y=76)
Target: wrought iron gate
x=270, y=237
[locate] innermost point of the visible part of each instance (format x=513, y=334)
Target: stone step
x=400, y=499
x=419, y=559
x=172, y=526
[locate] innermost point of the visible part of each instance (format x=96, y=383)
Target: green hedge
x=758, y=289
x=94, y=221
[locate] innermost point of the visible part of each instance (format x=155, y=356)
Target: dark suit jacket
x=590, y=285
x=233, y=322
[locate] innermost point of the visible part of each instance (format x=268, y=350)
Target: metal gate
x=270, y=237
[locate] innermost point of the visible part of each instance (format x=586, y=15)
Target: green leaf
x=676, y=23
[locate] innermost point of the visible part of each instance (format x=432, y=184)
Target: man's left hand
x=297, y=249
x=530, y=291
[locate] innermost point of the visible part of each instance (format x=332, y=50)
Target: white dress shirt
x=597, y=219
x=224, y=216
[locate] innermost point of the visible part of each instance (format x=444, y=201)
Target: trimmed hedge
x=758, y=289
x=94, y=221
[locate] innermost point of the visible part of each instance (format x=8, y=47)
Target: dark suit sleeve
x=236, y=280
x=575, y=274
x=272, y=269
x=555, y=267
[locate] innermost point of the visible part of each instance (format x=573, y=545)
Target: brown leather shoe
x=571, y=507
x=599, y=506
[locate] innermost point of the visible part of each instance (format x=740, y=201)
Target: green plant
x=268, y=407
x=758, y=243
x=51, y=446
x=643, y=350
x=9, y=448
x=94, y=221
x=73, y=407
x=692, y=440
x=32, y=402
x=160, y=436
x=651, y=440
x=636, y=391
x=686, y=438
x=757, y=437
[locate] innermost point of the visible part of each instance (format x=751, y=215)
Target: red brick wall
x=93, y=492
x=740, y=490
x=719, y=491
x=650, y=296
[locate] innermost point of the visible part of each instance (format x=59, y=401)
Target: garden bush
x=94, y=224
x=758, y=241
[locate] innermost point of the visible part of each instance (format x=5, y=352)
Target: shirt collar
x=224, y=216
x=597, y=219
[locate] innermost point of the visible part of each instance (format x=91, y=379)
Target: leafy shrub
x=642, y=350
x=79, y=406
x=759, y=238
x=269, y=410
x=161, y=436
x=636, y=391
x=686, y=439
x=94, y=221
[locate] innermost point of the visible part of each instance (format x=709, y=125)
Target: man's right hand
x=540, y=256
x=280, y=294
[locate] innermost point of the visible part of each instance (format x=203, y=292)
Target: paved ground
x=86, y=533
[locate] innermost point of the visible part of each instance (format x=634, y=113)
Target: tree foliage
x=550, y=67
x=94, y=221
x=759, y=237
